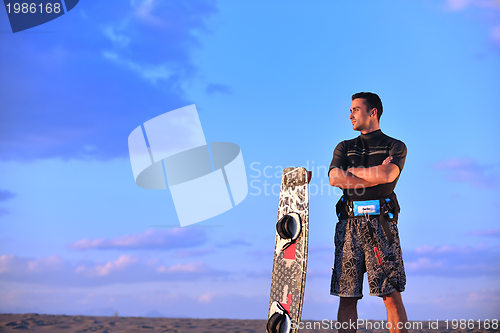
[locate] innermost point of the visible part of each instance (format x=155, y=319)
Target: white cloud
x=434, y=249
x=492, y=7
x=11, y=264
x=52, y=262
x=453, y=261
x=486, y=233
x=144, y=11
x=462, y=4
x=123, y=262
x=424, y=264
x=483, y=299
x=150, y=239
x=457, y=4
x=495, y=34
x=151, y=73
x=184, y=268
x=116, y=34
x=125, y=269
x=206, y=298
x=470, y=171
x=6, y=261
x=193, y=253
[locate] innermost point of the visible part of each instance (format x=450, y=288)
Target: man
x=367, y=168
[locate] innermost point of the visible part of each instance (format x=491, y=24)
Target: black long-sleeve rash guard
x=368, y=150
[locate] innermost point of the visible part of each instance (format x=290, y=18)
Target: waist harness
x=386, y=208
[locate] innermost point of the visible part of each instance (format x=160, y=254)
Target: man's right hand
x=387, y=160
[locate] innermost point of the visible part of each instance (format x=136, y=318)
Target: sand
x=65, y=324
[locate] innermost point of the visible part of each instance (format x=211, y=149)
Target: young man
x=367, y=168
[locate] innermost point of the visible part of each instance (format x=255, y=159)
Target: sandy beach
x=65, y=324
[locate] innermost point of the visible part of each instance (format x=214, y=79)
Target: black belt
x=388, y=210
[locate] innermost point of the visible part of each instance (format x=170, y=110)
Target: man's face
x=360, y=115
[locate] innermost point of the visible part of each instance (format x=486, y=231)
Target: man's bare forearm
x=346, y=180
x=380, y=174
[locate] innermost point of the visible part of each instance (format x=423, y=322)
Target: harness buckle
x=387, y=208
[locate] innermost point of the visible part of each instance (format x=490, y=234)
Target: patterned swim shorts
x=354, y=255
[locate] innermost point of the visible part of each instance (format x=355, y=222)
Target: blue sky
x=77, y=236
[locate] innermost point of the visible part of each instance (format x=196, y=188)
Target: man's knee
x=393, y=299
x=348, y=302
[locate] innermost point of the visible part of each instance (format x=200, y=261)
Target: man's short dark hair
x=372, y=101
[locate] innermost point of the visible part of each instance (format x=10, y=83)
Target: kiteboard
x=290, y=252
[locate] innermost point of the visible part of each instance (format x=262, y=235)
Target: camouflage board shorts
x=355, y=255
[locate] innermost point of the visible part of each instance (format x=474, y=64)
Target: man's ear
x=373, y=112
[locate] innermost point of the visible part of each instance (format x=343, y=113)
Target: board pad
x=290, y=265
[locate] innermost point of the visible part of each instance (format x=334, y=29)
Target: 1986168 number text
x=471, y=324
x=33, y=8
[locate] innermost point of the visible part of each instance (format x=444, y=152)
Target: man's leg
x=396, y=313
x=348, y=313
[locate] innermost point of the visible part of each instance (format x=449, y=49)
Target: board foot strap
x=279, y=321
